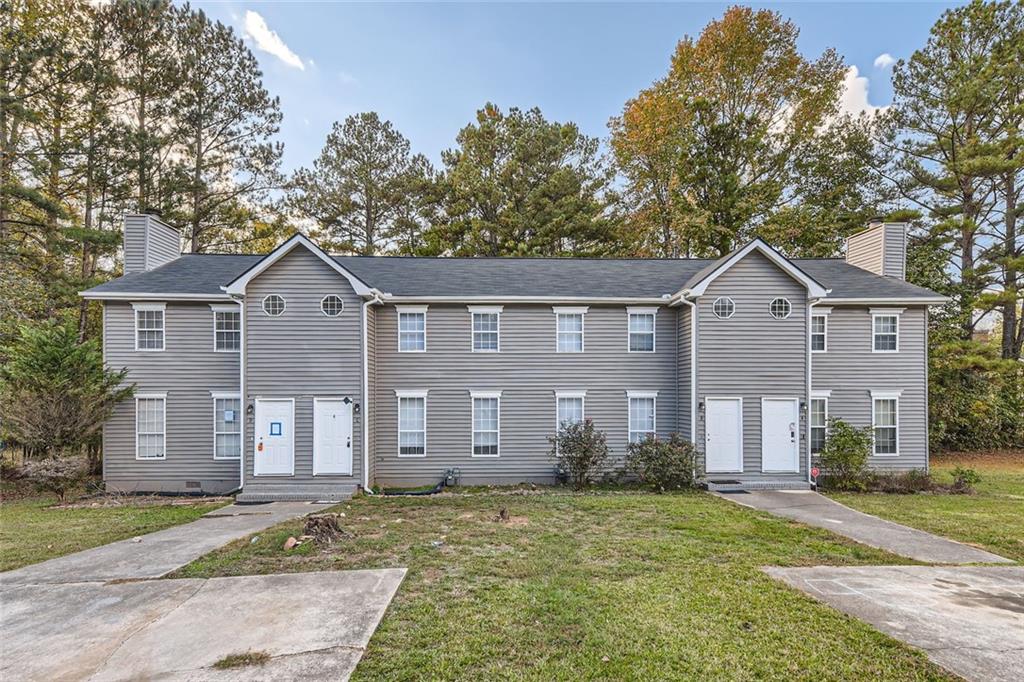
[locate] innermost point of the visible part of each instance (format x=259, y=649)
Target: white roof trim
x=130, y=296
x=237, y=287
x=814, y=289
x=924, y=300
x=485, y=309
x=427, y=298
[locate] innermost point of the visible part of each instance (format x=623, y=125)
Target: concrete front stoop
x=285, y=492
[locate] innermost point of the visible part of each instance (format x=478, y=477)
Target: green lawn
x=992, y=519
x=33, y=530
x=607, y=585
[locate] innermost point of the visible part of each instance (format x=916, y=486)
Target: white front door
x=275, y=438
x=780, y=434
x=723, y=435
x=332, y=437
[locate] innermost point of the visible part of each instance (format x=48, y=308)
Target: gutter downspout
x=810, y=355
x=376, y=297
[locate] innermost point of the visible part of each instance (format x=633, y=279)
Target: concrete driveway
x=968, y=619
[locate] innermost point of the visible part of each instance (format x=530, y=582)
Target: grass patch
x=242, y=660
x=32, y=529
x=610, y=585
x=992, y=518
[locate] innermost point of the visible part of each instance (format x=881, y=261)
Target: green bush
x=965, y=479
x=580, y=450
x=663, y=464
x=844, y=458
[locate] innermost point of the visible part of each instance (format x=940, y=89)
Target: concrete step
x=282, y=492
x=725, y=485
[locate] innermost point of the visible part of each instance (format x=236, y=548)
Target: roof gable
x=697, y=284
x=237, y=286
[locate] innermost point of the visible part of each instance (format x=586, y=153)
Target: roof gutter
x=149, y=296
x=650, y=300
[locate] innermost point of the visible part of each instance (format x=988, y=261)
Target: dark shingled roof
x=199, y=274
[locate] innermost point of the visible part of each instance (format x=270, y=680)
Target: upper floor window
x=819, y=329
x=885, y=422
x=149, y=326
x=569, y=329
x=332, y=305
x=486, y=323
x=642, y=411
x=273, y=305
x=641, y=329
x=780, y=308
x=885, y=330
x=151, y=426
x=723, y=307
x=819, y=424
x=227, y=426
x=227, y=328
x=412, y=329
x=486, y=424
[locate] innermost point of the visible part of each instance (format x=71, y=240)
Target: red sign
x=815, y=472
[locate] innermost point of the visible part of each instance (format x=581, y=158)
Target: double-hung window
x=569, y=329
x=151, y=426
x=569, y=408
x=819, y=423
x=227, y=426
x=227, y=328
x=486, y=423
x=641, y=329
x=412, y=329
x=486, y=323
x=819, y=329
x=149, y=326
x=642, y=409
x=885, y=422
x=885, y=330
x=412, y=423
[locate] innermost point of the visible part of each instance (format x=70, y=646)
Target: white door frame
x=316, y=470
x=256, y=430
x=707, y=409
x=796, y=431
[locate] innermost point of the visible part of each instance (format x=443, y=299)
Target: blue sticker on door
x=275, y=428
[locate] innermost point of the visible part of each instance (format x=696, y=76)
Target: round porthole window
x=332, y=305
x=723, y=307
x=780, y=308
x=273, y=305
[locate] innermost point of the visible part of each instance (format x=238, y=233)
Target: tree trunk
x=1013, y=330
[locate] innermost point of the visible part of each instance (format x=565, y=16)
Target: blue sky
x=429, y=67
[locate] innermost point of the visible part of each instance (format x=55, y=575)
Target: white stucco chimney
x=880, y=248
x=148, y=243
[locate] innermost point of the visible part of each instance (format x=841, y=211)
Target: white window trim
x=885, y=312
x=406, y=309
x=816, y=313
x=726, y=298
x=572, y=310
x=885, y=395
x=398, y=401
x=225, y=396
x=475, y=310
x=150, y=396
x=162, y=307
x=263, y=302
x=340, y=312
x=569, y=395
x=653, y=312
x=630, y=395
x=817, y=395
x=788, y=302
x=226, y=308
x=472, y=422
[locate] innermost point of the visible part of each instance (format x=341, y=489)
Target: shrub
x=580, y=451
x=663, y=464
x=964, y=480
x=57, y=476
x=845, y=456
x=902, y=483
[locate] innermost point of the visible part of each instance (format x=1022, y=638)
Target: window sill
x=150, y=459
x=486, y=456
x=423, y=456
x=225, y=459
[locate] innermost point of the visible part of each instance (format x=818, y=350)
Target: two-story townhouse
x=301, y=375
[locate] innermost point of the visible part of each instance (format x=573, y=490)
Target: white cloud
x=311, y=63
x=347, y=78
x=268, y=41
x=884, y=61
x=854, y=99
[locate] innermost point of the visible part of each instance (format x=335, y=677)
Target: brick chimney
x=880, y=248
x=148, y=243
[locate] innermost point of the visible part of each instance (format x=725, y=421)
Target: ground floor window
x=412, y=425
x=884, y=419
x=150, y=427
x=227, y=427
x=819, y=424
x=486, y=424
x=641, y=416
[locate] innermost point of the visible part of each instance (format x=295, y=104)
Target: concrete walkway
x=157, y=554
x=968, y=619
x=813, y=509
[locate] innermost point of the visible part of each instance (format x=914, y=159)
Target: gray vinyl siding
x=528, y=372
x=302, y=354
x=752, y=355
x=865, y=249
x=134, y=244
x=188, y=370
x=683, y=370
x=895, y=251
x=371, y=375
x=164, y=244
x=850, y=370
